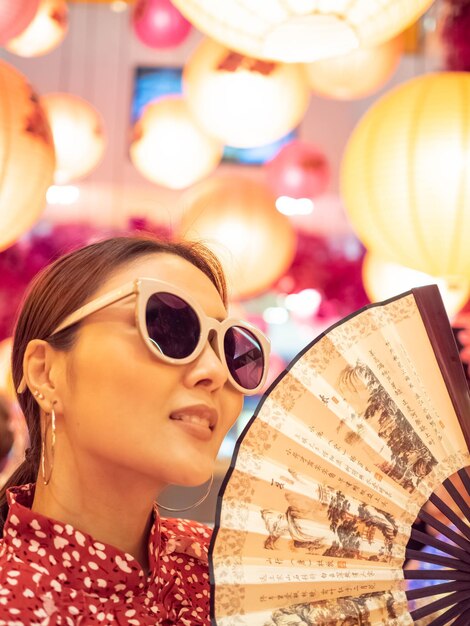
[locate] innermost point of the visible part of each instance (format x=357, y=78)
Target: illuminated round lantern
x=384, y=280
x=237, y=218
x=406, y=175
x=77, y=129
x=169, y=148
x=26, y=156
x=357, y=74
x=299, y=170
x=300, y=31
x=244, y=102
x=15, y=17
x=46, y=31
x=158, y=24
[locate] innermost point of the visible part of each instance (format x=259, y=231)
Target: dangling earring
x=186, y=508
x=43, y=449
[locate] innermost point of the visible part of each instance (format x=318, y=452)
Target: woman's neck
x=112, y=507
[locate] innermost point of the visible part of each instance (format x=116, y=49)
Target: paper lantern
x=236, y=217
x=406, y=175
x=356, y=74
x=384, y=280
x=158, y=24
x=46, y=31
x=169, y=148
x=77, y=129
x=301, y=31
x=26, y=156
x=244, y=102
x=299, y=170
x=15, y=17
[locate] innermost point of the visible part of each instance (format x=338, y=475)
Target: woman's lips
x=198, y=420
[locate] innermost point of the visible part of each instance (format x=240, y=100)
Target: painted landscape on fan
x=315, y=513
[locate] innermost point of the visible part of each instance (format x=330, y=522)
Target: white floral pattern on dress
x=52, y=574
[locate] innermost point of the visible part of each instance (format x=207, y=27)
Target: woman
x=129, y=375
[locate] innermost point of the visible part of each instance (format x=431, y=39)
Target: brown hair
x=6, y=434
x=63, y=287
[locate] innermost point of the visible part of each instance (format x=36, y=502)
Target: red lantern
x=15, y=17
x=299, y=170
x=158, y=24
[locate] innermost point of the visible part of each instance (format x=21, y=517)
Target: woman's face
x=117, y=397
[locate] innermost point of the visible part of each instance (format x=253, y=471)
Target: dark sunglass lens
x=244, y=356
x=172, y=325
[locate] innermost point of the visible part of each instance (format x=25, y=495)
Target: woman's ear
x=42, y=366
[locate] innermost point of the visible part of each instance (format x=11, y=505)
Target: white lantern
x=244, y=102
x=44, y=33
x=301, y=31
x=77, y=129
x=169, y=148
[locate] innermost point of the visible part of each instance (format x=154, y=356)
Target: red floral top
x=51, y=573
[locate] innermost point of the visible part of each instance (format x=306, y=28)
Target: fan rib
x=463, y=620
x=445, y=530
x=446, y=617
x=437, y=605
x=445, y=561
x=449, y=513
x=465, y=478
x=442, y=546
x=435, y=574
x=435, y=590
x=456, y=496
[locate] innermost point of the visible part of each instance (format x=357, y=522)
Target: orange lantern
x=6, y=379
x=237, y=218
x=383, y=280
x=169, y=148
x=26, y=156
x=356, y=74
x=244, y=102
x=77, y=129
x=44, y=33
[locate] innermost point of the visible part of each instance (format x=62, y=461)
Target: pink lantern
x=299, y=170
x=276, y=366
x=158, y=24
x=15, y=17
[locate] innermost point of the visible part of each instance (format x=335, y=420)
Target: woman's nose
x=208, y=369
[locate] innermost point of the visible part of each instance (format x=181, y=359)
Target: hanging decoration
x=237, y=218
x=169, y=148
x=357, y=74
x=15, y=17
x=243, y=102
x=301, y=32
x=46, y=31
x=299, y=170
x=331, y=266
x=26, y=156
x=77, y=129
x=158, y=24
x=406, y=175
x=455, y=35
x=383, y=280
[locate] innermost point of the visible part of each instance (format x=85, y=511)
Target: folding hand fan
x=358, y=437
